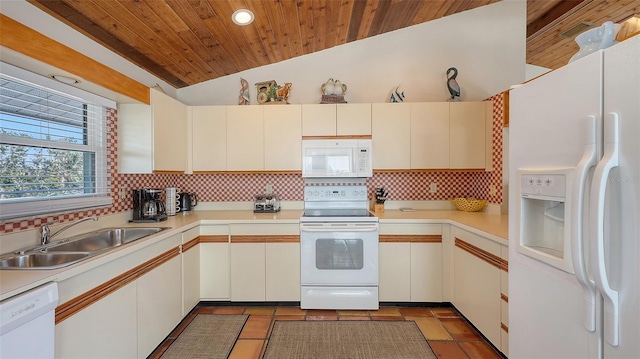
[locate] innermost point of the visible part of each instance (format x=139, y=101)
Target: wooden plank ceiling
x=186, y=42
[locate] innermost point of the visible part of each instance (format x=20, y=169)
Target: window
x=52, y=150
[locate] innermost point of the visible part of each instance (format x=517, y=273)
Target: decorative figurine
x=243, y=98
x=327, y=87
x=333, y=91
x=270, y=92
x=397, y=95
x=452, y=84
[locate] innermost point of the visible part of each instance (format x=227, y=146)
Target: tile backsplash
x=402, y=186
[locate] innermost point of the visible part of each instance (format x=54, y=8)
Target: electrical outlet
x=433, y=187
x=269, y=188
x=492, y=190
x=122, y=193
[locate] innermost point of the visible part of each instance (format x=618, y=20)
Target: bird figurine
x=243, y=98
x=328, y=88
x=338, y=88
x=452, y=84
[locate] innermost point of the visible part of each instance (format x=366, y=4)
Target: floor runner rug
x=347, y=339
x=207, y=336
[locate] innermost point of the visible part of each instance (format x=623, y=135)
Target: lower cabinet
x=107, y=328
x=411, y=263
x=126, y=308
x=215, y=280
x=265, y=262
x=478, y=267
x=190, y=250
x=159, y=304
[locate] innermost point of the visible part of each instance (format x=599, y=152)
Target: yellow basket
x=469, y=204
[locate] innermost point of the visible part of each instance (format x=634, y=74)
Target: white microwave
x=336, y=158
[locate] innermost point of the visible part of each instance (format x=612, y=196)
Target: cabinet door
x=426, y=272
x=247, y=272
x=391, y=133
x=283, y=272
x=135, y=139
x=214, y=271
x=353, y=119
x=430, y=135
x=106, y=329
x=467, y=135
x=318, y=120
x=245, y=138
x=190, y=270
x=282, y=138
x=159, y=304
x=209, y=138
x=395, y=272
x=477, y=282
x=169, y=133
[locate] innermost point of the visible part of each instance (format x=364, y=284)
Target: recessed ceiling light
x=65, y=79
x=242, y=17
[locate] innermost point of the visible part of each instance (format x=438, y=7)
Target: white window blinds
x=52, y=150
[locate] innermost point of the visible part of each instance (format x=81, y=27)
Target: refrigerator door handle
x=578, y=241
x=600, y=178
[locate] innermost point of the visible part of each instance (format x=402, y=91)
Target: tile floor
x=448, y=333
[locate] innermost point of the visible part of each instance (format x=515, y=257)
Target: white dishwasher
x=27, y=324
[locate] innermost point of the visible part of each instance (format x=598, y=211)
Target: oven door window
x=339, y=254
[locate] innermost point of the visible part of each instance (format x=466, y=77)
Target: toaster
x=266, y=203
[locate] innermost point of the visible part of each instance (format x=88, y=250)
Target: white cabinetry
x=336, y=120
x=477, y=282
x=282, y=138
x=265, y=263
x=190, y=270
x=208, y=138
x=411, y=263
x=430, y=137
x=469, y=124
x=152, y=137
x=107, y=328
x=282, y=269
x=214, y=263
x=391, y=134
x=159, y=301
x=245, y=138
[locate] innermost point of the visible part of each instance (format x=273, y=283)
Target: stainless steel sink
x=74, y=249
x=102, y=239
x=41, y=260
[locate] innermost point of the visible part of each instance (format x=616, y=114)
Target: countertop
x=12, y=282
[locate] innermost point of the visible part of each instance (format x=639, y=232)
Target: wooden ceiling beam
x=23, y=39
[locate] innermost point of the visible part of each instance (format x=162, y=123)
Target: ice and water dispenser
x=545, y=216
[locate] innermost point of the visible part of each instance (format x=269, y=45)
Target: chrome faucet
x=45, y=232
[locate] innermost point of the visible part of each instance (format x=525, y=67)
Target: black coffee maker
x=148, y=205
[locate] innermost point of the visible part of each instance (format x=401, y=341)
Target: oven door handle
x=338, y=228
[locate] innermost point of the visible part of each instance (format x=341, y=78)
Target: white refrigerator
x=574, y=209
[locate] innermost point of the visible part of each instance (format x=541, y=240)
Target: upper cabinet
x=245, y=138
x=467, y=136
x=336, y=120
x=152, y=138
x=430, y=135
x=208, y=138
x=282, y=136
x=391, y=133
